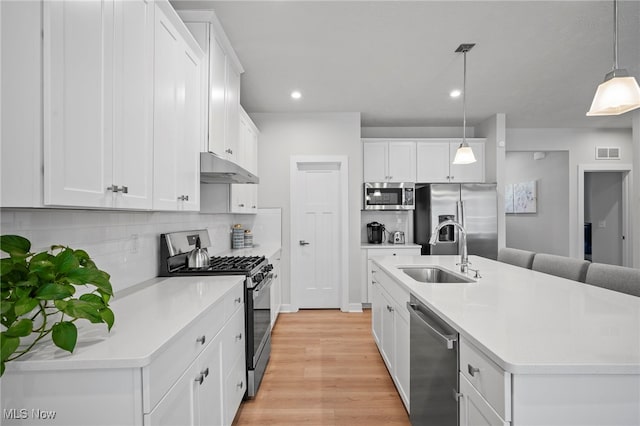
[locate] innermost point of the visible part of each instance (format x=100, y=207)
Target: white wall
x=581, y=144
x=286, y=135
x=547, y=230
x=124, y=244
x=603, y=208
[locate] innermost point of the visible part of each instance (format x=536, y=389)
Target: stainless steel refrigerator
x=435, y=203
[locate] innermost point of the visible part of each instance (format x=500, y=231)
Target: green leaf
x=108, y=317
x=14, y=245
x=65, y=261
x=8, y=345
x=65, y=335
x=21, y=328
x=25, y=305
x=81, y=309
x=6, y=306
x=93, y=299
x=6, y=265
x=61, y=305
x=98, y=278
x=52, y=291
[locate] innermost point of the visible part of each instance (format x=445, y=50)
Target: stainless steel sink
x=433, y=274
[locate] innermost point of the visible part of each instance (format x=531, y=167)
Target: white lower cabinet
x=276, y=287
x=367, y=263
x=390, y=327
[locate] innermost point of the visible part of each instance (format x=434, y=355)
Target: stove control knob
x=258, y=277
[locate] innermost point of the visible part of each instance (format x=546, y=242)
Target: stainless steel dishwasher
x=433, y=368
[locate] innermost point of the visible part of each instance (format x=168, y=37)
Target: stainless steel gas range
x=174, y=250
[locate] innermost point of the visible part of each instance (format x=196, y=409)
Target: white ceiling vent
x=607, y=153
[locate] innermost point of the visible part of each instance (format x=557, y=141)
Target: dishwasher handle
x=450, y=339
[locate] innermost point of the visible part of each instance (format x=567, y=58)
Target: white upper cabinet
x=223, y=82
x=97, y=103
x=178, y=114
x=21, y=104
x=435, y=158
x=244, y=197
x=386, y=161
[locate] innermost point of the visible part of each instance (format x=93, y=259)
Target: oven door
x=259, y=319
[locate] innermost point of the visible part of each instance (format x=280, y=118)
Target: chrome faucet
x=464, y=258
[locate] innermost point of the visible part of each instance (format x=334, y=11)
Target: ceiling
x=539, y=62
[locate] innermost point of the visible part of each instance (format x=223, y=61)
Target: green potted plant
x=38, y=296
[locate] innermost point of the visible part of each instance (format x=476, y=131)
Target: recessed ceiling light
x=455, y=93
x=296, y=94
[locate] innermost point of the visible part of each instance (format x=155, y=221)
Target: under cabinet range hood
x=214, y=169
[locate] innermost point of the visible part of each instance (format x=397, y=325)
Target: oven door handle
x=264, y=285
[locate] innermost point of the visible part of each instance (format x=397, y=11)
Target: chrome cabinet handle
x=254, y=207
x=303, y=243
x=183, y=198
x=201, y=339
x=390, y=308
x=116, y=188
x=199, y=379
x=239, y=337
x=240, y=385
x=206, y=372
x=238, y=300
x=472, y=370
x=240, y=205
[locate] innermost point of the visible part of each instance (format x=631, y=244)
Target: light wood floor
x=325, y=369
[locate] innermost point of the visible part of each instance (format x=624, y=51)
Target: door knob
x=303, y=243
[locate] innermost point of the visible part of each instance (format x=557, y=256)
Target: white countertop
x=145, y=321
x=389, y=245
x=529, y=322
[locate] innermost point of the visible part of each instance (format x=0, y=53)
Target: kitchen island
x=561, y=352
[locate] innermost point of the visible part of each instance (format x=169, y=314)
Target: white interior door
x=316, y=244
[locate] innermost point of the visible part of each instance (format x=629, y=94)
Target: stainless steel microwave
x=389, y=196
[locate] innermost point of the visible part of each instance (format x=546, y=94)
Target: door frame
x=342, y=162
x=627, y=177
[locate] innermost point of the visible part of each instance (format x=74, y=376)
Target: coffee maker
x=375, y=232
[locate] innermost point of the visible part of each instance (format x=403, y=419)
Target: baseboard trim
x=355, y=307
x=288, y=308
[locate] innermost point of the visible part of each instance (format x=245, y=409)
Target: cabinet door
x=401, y=368
x=165, y=177
x=133, y=101
x=78, y=96
x=473, y=172
x=276, y=289
x=217, y=114
x=21, y=104
x=375, y=156
x=178, y=406
x=388, y=331
x=402, y=161
x=377, y=306
x=432, y=162
x=190, y=115
x=209, y=398
x=474, y=410
x=232, y=106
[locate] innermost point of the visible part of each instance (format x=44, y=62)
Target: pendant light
x=464, y=154
x=619, y=93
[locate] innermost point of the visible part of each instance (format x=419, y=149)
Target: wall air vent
x=607, y=153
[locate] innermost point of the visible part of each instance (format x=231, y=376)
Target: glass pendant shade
x=615, y=96
x=464, y=154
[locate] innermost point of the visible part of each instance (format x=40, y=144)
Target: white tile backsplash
x=392, y=221
x=124, y=244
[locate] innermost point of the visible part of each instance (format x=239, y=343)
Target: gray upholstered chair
x=516, y=257
x=565, y=267
x=618, y=278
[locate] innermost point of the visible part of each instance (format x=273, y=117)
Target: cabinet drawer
x=233, y=301
x=233, y=341
x=398, y=294
x=234, y=388
x=171, y=363
x=474, y=409
x=493, y=383
x=395, y=251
